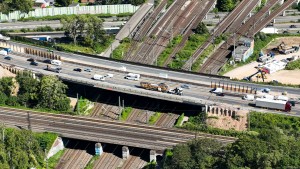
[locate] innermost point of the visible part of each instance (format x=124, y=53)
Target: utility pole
x=77, y=104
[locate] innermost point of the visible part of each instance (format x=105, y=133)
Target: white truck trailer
x=273, y=104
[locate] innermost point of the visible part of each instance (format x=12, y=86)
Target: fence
x=97, y=9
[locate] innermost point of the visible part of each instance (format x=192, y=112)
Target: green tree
x=3, y=98
x=200, y=153
x=52, y=94
x=95, y=32
x=28, y=89
x=11, y=5
x=74, y=26
x=6, y=85
x=12, y=101
x=201, y=29
x=64, y=2
x=225, y=5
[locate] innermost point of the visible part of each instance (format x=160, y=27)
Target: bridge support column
x=274, y=21
x=152, y=155
x=98, y=149
x=283, y=14
x=125, y=152
x=206, y=109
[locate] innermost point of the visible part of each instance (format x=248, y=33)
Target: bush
x=3, y=98
x=125, y=113
x=12, y=101
x=293, y=65
x=154, y=118
x=179, y=120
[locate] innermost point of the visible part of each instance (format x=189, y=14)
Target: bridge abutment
x=125, y=153
x=98, y=149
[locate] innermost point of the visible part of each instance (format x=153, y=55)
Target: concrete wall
x=97, y=9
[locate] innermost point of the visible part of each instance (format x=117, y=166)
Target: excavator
x=260, y=74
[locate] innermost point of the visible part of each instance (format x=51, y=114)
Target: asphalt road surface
x=196, y=91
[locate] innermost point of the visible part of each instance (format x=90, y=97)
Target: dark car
x=34, y=63
x=293, y=26
x=31, y=60
x=8, y=58
x=47, y=61
x=77, y=69
x=220, y=94
x=285, y=32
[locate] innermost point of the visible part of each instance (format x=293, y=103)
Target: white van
x=248, y=97
x=217, y=90
x=98, y=77
x=132, y=76
x=56, y=62
x=281, y=97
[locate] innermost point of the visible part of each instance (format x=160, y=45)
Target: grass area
x=90, y=165
x=46, y=139
x=261, y=121
x=59, y=17
x=168, y=50
x=154, y=118
x=179, y=120
x=125, y=113
x=82, y=106
x=293, y=65
x=190, y=47
x=119, y=52
x=53, y=161
x=75, y=48
x=197, y=65
x=37, y=110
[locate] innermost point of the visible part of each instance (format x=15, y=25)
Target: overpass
x=103, y=131
x=198, y=94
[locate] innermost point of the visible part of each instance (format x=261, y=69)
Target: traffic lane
x=191, y=77
x=123, y=81
x=205, y=95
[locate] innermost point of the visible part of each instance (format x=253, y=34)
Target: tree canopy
x=12, y=5
x=226, y=5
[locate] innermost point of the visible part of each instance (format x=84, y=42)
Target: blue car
x=265, y=90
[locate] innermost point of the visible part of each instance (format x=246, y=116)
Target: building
x=274, y=66
x=244, y=49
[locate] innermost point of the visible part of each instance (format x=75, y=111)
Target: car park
x=8, y=58
x=77, y=69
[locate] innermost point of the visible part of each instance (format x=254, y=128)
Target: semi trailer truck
x=273, y=104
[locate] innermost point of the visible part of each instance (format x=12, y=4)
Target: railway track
x=219, y=29
x=251, y=27
x=145, y=27
x=157, y=31
x=86, y=128
x=201, y=15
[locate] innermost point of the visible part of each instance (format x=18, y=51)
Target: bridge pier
x=152, y=155
x=98, y=149
x=125, y=153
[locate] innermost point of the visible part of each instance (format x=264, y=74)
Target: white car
x=109, y=75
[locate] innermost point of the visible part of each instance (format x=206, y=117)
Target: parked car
x=8, y=58
x=77, y=69
x=185, y=86
x=34, y=63
x=88, y=69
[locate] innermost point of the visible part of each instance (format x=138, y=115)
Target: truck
x=4, y=38
x=273, y=104
x=53, y=69
x=249, y=97
x=161, y=87
x=98, y=77
x=3, y=52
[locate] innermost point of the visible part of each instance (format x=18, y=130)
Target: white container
x=273, y=104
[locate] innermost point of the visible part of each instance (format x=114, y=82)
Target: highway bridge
x=198, y=94
x=103, y=131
